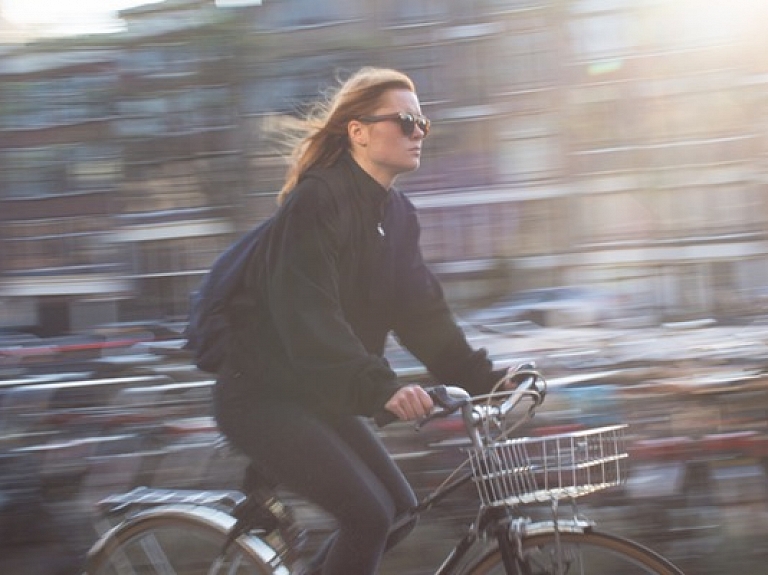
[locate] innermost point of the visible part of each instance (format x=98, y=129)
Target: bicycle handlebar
x=480, y=409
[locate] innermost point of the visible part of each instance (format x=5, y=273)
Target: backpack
x=208, y=328
x=207, y=331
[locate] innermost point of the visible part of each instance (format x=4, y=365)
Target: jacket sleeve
x=335, y=373
x=426, y=326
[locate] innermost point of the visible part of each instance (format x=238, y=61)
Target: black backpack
x=208, y=329
x=207, y=332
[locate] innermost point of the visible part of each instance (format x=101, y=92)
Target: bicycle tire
x=180, y=540
x=590, y=552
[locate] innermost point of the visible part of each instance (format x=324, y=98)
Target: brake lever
x=441, y=398
x=525, y=376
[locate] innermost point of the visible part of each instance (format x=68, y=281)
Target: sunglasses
x=407, y=121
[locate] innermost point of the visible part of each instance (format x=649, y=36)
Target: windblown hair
x=321, y=137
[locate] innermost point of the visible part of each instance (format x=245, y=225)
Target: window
x=142, y=117
x=615, y=217
x=604, y=116
x=33, y=172
x=541, y=229
x=56, y=242
x=529, y=59
x=63, y=169
x=736, y=208
x=529, y=148
x=93, y=166
x=55, y=101
x=600, y=35
x=163, y=59
x=213, y=107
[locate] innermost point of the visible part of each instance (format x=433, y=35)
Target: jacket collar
x=365, y=182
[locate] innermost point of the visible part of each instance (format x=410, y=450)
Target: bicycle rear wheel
x=180, y=541
x=589, y=553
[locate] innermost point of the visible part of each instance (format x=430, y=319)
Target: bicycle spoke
x=156, y=556
x=180, y=544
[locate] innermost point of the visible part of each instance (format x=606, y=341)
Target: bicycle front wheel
x=588, y=553
x=180, y=541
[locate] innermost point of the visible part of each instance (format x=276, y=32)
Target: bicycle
x=253, y=532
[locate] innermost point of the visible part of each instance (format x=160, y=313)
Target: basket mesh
x=529, y=469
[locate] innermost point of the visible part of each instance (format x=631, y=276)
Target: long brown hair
x=320, y=138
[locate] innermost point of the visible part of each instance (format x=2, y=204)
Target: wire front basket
x=531, y=469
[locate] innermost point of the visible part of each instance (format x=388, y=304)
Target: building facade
x=614, y=143
x=61, y=174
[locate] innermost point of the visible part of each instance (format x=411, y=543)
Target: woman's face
x=380, y=146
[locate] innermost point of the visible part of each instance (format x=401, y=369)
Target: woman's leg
x=363, y=440
x=310, y=457
x=357, y=432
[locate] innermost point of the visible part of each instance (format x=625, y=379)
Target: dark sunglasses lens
x=408, y=123
x=423, y=126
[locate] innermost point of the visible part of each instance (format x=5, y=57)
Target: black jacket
x=339, y=269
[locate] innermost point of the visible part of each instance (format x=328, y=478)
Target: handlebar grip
x=440, y=397
x=384, y=417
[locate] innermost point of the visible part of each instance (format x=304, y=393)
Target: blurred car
x=563, y=306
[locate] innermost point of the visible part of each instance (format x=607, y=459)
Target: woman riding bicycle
x=338, y=269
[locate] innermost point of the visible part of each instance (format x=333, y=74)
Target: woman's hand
x=409, y=403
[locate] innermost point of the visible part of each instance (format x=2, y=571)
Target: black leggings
x=338, y=463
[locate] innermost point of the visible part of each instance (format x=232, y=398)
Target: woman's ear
x=358, y=133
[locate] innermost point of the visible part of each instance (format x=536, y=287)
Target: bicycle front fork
x=510, y=540
x=510, y=534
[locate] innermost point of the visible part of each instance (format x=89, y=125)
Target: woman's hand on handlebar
x=410, y=402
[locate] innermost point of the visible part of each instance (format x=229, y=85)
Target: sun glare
x=67, y=17
x=714, y=21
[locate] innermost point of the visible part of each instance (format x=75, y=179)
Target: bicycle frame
x=466, y=543
x=501, y=523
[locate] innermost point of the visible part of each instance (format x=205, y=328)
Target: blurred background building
x=619, y=144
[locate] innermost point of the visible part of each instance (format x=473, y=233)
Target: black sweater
x=339, y=269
